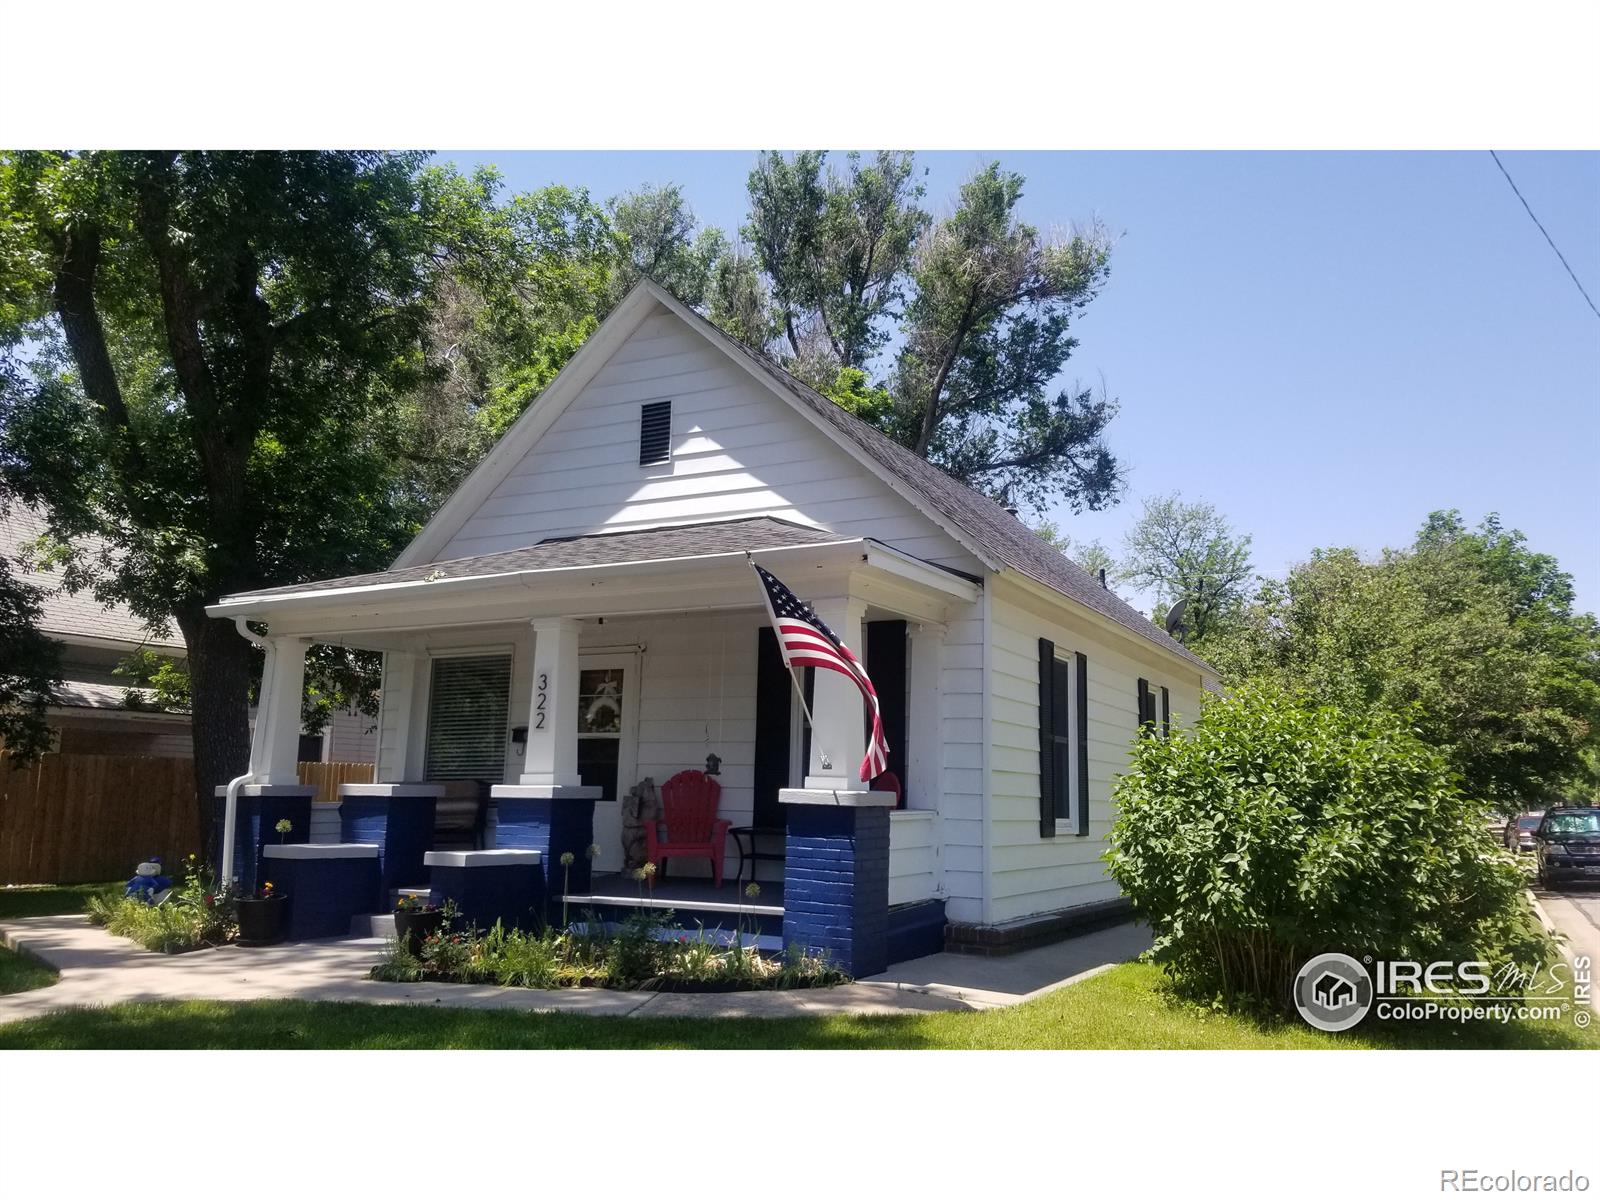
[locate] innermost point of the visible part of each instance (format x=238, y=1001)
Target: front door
x=608, y=707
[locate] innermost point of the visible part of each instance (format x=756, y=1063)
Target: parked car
x=1569, y=845
x=1520, y=832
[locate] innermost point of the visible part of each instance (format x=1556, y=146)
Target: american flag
x=807, y=642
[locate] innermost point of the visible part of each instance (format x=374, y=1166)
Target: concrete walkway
x=98, y=968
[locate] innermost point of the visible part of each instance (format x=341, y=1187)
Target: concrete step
x=372, y=925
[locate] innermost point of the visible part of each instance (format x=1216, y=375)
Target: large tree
x=835, y=246
x=660, y=239
x=986, y=335
x=1188, y=552
x=209, y=358
x=1468, y=633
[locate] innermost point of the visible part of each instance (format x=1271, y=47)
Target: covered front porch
x=537, y=678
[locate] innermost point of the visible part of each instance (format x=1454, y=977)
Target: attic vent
x=655, y=433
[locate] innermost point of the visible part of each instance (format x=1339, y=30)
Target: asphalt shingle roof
x=592, y=550
x=66, y=614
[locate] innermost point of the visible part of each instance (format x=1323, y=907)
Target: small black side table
x=747, y=838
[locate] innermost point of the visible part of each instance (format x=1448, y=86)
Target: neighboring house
x=602, y=549
x=92, y=713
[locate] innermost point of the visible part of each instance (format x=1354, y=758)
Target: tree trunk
x=219, y=685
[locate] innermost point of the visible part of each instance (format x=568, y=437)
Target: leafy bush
x=1276, y=830
x=636, y=953
x=193, y=915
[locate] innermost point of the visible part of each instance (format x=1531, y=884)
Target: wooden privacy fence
x=326, y=777
x=82, y=818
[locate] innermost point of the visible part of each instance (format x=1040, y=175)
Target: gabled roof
x=591, y=550
x=65, y=615
x=983, y=527
x=991, y=532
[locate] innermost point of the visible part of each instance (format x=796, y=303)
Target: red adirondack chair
x=689, y=827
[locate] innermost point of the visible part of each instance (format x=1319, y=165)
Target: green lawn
x=47, y=900
x=19, y=973
x=1125, y=1008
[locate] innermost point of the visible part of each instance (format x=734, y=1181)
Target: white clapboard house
x=582, y=614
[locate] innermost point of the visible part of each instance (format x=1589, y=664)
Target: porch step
x=372, y=925
x=694, y=906
x=766, y=943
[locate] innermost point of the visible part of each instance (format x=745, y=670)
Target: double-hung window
x=1063, y=741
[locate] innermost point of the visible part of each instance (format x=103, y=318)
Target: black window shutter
x=1144, y=702
x=1080, y=679
x=886, y=666
x=655, y=433
x=1166, y=713
x=773, y=697
x=1047, y=739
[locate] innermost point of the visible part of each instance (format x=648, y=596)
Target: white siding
x=351, y=737
x=913, y=856
x=1034, y=874
x=394, y=717
x=961, y=766
x=738, y=450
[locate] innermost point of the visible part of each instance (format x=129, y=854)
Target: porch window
x=468, y=703
x=600, y=698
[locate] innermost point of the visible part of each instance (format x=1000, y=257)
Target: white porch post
x=275, y=749
x=838, y=713
x=394, y=716
x=552, y=754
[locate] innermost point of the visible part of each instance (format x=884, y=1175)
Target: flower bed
x=191, y=917
x=633, y=954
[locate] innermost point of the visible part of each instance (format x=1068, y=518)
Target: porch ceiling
x=668, y=569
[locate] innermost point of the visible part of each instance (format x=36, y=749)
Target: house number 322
x=539, y=700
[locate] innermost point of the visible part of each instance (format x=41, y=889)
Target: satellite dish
x=1175, y=615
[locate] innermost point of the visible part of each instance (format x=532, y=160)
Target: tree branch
x=932, y=415
x=80, y=320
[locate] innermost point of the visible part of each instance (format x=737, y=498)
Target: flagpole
x=800, y=692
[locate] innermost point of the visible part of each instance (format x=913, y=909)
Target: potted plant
x=416, y=920
x=260, y=916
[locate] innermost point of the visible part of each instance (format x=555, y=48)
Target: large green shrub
x=1276, y=829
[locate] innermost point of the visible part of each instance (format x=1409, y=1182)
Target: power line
x=1546, y=233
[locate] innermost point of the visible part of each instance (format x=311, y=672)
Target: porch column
x=275, y=749
x=276, y=794
x=551, y=757
x=838, y=731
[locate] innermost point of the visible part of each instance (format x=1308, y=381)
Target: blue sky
x=1327, y=346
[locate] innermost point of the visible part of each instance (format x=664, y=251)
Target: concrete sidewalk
x=98, y=968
